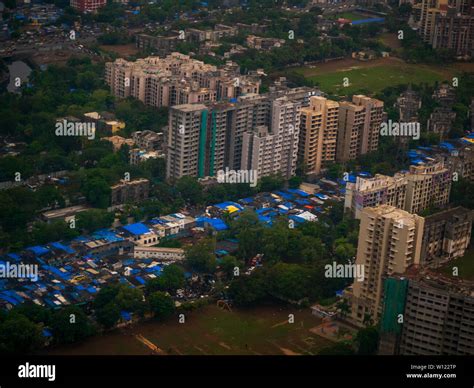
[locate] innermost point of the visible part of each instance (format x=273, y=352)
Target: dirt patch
x=289, y=352
x=225, y=346
x=122, y=50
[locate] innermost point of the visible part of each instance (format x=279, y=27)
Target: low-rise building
x=159, y=253
x=129, y=191
x=64, y=214
x=118, y=141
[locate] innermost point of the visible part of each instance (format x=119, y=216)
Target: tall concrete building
x=429, y=10
x=186, y=140
x=274, y=150
x=359, y=127
x=318, y=133
x=378, y=190
x=437, y=312
x=428, y=185
x=446, y=236
x=423, y=186
x=205, y=138
x=389, y=242
x=176, y=80
x=448, y=25
x=350, y=128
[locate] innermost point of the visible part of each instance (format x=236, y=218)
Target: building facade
x=446, y=236
x=389, y=242
x=176, y=80
x=359, y=127
x=318, y=134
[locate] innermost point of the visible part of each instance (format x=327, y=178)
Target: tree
x=56, y=230
x=71, y=324
x=343, y=250
x=130, y=299
x=94, y=219
x=190, y=189
x=295, y=182
x=35, y=313
x=106, y=295
x=289, y=281
x=170, y=280
x=228, y=265
x=161, y=305
x=367, y=340
x=249, y=290
x=201, y=257
x=97, y=191
x=108, y=315
x=19, y=335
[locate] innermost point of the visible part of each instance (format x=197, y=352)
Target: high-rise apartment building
x=176, y=80
x=389, y=242
x=274, y=149
x=428, y=186
x=224, y=135
x=446, y=236
x=318, y=133
x=359, y=127
x=437, y=314
x=448, y=25
x=186, y=140
x=378, y=190
x=350, y=128
x=421, y=187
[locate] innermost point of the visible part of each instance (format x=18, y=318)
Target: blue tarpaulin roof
x=107, y=235
x=137, y=229
x=14, y=256
x=214, y=223
x=38, y=250
x=301, y=193
x=447, y=145
x=62, y=247
x=126, y=316
x=284, y=195
x=365, y=21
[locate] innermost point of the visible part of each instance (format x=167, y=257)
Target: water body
x=18, y=69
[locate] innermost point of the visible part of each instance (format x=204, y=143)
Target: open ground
x=213, y=331
x=375, y=75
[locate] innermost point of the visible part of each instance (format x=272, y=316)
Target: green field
x=372, y=79
x=212, y=331
x=350, y=15
x=465, y=266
